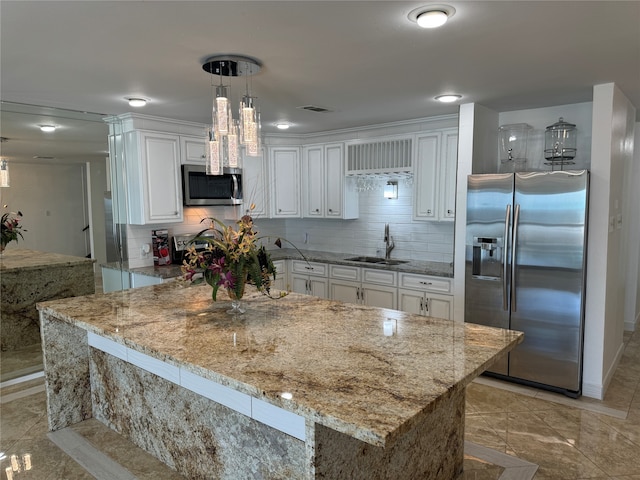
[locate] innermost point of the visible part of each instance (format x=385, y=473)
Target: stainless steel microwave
x=198, y=188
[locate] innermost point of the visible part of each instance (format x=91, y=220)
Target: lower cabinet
x=425, y=295
x=363, y=286
x=309, y=278
x=280, y=283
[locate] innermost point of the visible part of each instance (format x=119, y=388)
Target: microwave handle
x=235, y=193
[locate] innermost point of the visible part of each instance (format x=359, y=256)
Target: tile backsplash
x=431, y=241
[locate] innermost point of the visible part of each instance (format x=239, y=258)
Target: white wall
x=613, y=117
x=631, y=234
x=52, y=200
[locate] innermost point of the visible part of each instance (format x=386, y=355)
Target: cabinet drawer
x=309, y=268
x=423, y=282
x=381, y=277
x=343, y=272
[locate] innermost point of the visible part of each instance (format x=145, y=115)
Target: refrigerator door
x=548, y=277
x=489, y=199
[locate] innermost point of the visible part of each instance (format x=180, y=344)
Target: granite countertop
x=24, y=259
x=437, y=269
x=341, y=370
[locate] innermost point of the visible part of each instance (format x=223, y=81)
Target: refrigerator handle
x=505, y=264
x=516, y=218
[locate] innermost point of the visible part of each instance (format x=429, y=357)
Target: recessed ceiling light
x=448, y=98
x=432, y=16
x=137, y=101
x=47, y=128
x=282, y=126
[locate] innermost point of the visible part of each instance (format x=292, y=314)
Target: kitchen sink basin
x=375, y=260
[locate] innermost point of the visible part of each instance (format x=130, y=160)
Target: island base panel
x=192, y=434
x=432, y=450
x=66, y=373
x=21, y=289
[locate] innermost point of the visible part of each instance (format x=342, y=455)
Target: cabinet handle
x=426, y=305
x=429, y=212
x=279, y=210
x=203, y=156
x=330, y=211
x=421, y=304
x=317, y=210
x=425, y=283
x=362, y=296
x=449, y=212
x=357, y=294
x=309, y=268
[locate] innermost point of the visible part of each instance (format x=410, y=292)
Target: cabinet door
x=379, y=296
x=285, y=179
x=426, y=177
x=319, y=287
x=344, y=291
x=439, y=306
x=140, y=280
x=254, y=186
x=162, y=191
x=313, y=180
x=334, y=179
x=299, y=284
x=448, y=167
x=192, y=150
x=410, y=301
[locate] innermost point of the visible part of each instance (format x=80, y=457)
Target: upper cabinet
x=435, y=175
x=284, y=175
x=192, y=151
x=154, y=191
x=254, y=185
x=326, y=191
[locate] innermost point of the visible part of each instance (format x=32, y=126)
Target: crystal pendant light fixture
x=225, y=135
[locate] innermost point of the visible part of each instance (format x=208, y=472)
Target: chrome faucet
x=388, y=240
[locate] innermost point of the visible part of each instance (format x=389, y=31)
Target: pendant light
x=225, y=135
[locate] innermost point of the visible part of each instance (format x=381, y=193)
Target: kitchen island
x=30, y=276
x=295, y=388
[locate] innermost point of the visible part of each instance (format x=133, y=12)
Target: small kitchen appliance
x=179, y=245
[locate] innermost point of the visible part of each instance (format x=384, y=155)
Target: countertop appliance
x=200, y=189
x=179, y=245
x=525, y=270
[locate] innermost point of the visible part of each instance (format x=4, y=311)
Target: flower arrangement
x=231, y=259
x=11, y=228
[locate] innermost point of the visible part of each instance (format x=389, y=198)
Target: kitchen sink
x=375, y=260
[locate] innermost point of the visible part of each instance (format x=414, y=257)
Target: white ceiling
x=363, y=60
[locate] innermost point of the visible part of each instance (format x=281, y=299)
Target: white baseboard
x=632, y=326
x=597, y=391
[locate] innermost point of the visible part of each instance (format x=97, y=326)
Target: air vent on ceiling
x=40, y=157
x=314, y=108
x=387, y=156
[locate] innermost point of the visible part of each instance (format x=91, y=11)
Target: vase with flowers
x=233, y=258
x=11, y=228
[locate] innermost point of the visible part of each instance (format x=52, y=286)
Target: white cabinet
x=309, y=278
x=141, y=280
x=436, y=155
x=284, y=174
x=280, y=283
x=154, y=190
x=424, y=295
x=363, y=286
x=327, y=192
x=254, y=185
x=192, y=150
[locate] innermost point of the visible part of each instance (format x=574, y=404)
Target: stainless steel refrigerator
x=525, y=270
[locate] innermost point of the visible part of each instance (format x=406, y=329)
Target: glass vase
x=237, y=306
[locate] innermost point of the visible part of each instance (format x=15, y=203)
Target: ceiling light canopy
x=448, y=98
x=137, y=101
x=47, y=128
x=432, y=16
x=226, y=134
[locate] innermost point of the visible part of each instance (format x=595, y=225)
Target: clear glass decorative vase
x=237, y=306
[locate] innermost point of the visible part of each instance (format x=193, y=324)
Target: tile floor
x=512, y=433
